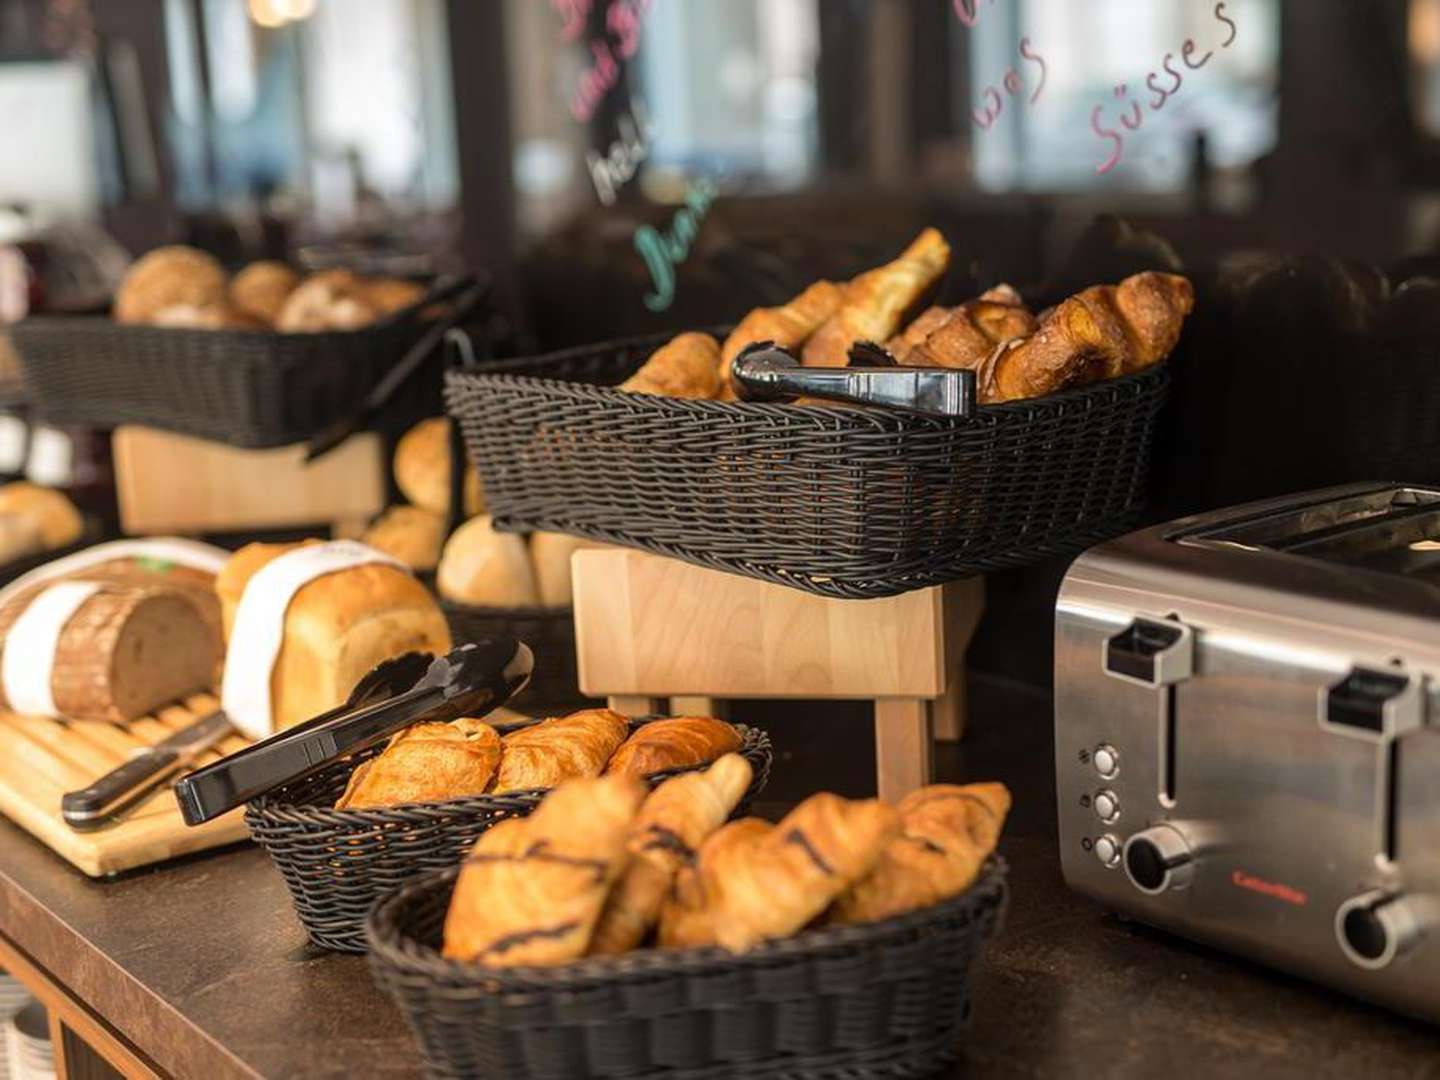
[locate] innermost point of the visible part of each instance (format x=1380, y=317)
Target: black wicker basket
x=336, y=863
x=247, y=388
x=839, y=501
x=890, y=999
x=550, y=633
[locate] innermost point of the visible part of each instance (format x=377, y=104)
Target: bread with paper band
x=337, y=627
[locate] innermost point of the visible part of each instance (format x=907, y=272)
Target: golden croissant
x=562, y=748
x=426, y=763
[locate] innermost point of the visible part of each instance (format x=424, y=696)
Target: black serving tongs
x=469, y=681
x=766, y=372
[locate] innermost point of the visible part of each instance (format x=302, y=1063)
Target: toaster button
x=1107, y=806
x=1107, y=850
x=1106, y=760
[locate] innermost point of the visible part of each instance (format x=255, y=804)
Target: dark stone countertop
x=202, y=966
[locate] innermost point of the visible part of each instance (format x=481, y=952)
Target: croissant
x=674, y=744
x=972, y=333
x=753, y=881
x=687, y=366
x=994, y=312
x=921, y=327
x=787, y=326
x=673, y=821
x=1098, y=333
x=560, y=749
x=426, y=763
x=877, y=299
x=531, y=889
x=946, y=834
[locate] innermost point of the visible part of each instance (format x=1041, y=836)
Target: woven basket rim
x=397, y=950
x=106, y=324
x=858, y=416
x=755, y=744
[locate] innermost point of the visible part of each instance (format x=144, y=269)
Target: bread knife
x=94, y=806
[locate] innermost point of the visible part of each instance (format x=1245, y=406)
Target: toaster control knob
x=1159, y=859
x=1376, y=927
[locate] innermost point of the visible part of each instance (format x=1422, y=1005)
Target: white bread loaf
x=485, y=568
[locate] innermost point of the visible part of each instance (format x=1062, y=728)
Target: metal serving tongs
x=469, y=681
x=766, y=372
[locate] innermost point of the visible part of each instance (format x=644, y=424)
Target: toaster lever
x=1382, y=702
x=1151, y=651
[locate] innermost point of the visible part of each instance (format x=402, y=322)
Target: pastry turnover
x=1099, y=333
x=559, y=749
x=532, y=888
x=753, y=881
x=674, y=744
x=876, y=301
x=787, y=326
x=673, y=821
x=426, y=763
x=946, y=834
x=687, y=366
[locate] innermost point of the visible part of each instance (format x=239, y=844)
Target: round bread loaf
x=166, y=277
x=261, y=289
x=409, y=534
x=55, y=515
x=330, y=300
x=550, y=553
x=422, y=469
x=486, y=568
x=389, y=295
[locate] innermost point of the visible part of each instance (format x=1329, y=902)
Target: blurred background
x=1284, y=153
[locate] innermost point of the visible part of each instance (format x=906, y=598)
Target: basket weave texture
x=246, y=388
x=549, y=631
x=889, y=999
x=838, y=501
x=336, y=863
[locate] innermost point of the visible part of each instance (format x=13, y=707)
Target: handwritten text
x=663, y=252
x=622, y=161
x=622, y=27
x=1014, y=83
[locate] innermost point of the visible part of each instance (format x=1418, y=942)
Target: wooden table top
x=201, y=965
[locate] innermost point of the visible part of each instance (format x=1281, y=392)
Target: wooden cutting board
x=41, y=759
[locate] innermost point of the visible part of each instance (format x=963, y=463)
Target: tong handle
x=766, y=372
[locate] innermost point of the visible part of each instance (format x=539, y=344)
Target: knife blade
x=95, y=806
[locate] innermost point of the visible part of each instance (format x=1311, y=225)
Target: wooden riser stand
x=651, y=630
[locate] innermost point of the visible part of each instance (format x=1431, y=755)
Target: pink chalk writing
x=623, y=19
x=1132, y=116
x=993, y=102
x=967, y=11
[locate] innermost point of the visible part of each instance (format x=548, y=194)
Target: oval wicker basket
x=889, y=999
x=835, y=500
x=336, y=863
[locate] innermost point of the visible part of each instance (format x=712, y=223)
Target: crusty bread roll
x=20, y=535
x=422, y=469
x=686, y=366
x=330, y=300
x=389, y=295
x=261, y=289
x=220, y=316
x=337, y=628
x=166, y=277
x=673, y=744
x=55, y=515
x=409, y=534
x=550, y=554
x=485, y=568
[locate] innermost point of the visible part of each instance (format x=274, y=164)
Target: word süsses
x=1133, y=120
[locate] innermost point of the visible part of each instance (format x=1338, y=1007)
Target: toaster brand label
x=1269, y=888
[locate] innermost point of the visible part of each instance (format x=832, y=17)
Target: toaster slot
x=1169, y=730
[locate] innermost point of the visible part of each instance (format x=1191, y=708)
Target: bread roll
x=20, y=536
x=51, y=511
x=754, y=882
x=409, y=534
x=166, y=277
x=550, y=554
x=390, y=295
x=422, y=469
x=788, y=325
x=331, y=300
x=337, y=628
x=560, y=749
x=946, y=834
x=532, y=888
x=673, y=822
x=674, y=744
x=485, y=568
x=261, y=289
x=208, y=317
x=426, y=763
x=687, y=366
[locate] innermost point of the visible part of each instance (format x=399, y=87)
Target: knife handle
x=140, y=775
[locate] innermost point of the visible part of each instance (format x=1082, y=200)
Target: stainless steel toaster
x=1247, y=734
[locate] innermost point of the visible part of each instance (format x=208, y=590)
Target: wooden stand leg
x=947, y=712
x=691, y=705
x=902, y=746
x=636, y=705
